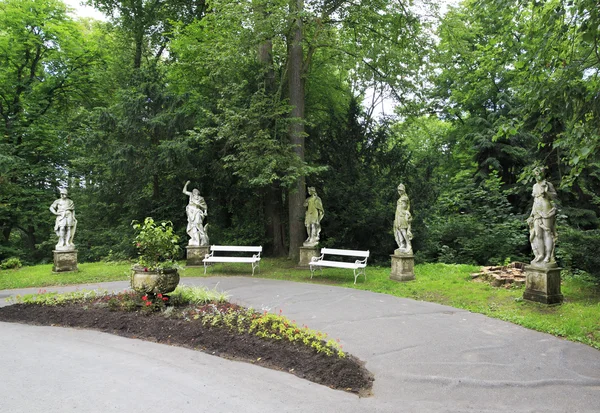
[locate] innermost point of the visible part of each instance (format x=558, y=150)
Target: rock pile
x=504, y=276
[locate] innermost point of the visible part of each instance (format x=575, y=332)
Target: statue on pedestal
x=542, y=221
x=402, y=222
x=313, y=217
x=196, y=211
x=65, y=224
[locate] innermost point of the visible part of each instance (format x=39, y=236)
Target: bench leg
x=205, y=267
x=312, y=271
x=357, y=274
x=254, y=265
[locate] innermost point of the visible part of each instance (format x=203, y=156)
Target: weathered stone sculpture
x=313, y=217
x=542, y=221
x=402, y=222
x=312, y=221
x=543, y=275
x=65, y=224
x=65, y=254
x=403, y=261
x=196, y=210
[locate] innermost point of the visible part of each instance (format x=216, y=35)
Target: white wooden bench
x=358, y=266
x=212, y=258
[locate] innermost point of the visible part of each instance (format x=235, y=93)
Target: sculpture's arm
x=53, y=208
x=185, y=191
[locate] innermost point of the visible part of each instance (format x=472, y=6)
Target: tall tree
x=44, y=60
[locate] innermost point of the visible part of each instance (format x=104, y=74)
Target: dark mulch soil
x=346, y=373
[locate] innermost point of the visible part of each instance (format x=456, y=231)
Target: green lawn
x=577, y=319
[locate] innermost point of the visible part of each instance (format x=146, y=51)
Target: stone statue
x=542, y=221
x=196, y=210
x=313, y=217
x=65, y=224
x=402, y=222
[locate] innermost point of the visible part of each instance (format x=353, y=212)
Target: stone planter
x=154, y=282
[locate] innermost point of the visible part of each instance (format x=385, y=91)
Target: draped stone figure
x=542, y=221
x=196, y=211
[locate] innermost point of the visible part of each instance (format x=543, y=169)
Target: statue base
x=403, y=265
x=65, y=260
x=542, y=284
x=306, y=255
x=195, y=254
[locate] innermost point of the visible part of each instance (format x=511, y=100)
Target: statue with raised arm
x=542, y=221
x=65, y=224
x=402, y=222
x=313, y=217
x=196, y=211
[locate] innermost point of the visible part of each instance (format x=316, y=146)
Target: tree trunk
x=274, y=223
x=272, y=195
x=296, y=130
x=138, y=35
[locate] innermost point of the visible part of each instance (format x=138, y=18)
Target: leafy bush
x=473, y=224
x=157, y=244
x=578, y=250
x=11, y=263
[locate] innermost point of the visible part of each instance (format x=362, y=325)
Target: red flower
x=165, y=298
x=138, y=245
x=148, y=303
x=145, y=269
x=145, y=298
x=159, y=295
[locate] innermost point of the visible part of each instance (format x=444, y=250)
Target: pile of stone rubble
x=504, y=276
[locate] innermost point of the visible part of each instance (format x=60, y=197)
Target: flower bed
x=212, y=325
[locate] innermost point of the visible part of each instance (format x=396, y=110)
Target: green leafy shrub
x=578, y=250
x=474, y=224
x=158, y=245
x=11, y=263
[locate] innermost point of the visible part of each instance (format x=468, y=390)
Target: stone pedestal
x=195, y=254
x=306, y=255
x=65, y=260
x=542, y=284
x=403, y=265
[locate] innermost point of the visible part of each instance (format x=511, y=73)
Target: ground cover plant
x=202, y=319
x=449, y=284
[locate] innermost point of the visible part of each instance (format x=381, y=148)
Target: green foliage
x=269, y=326
x=157, y=244
x=578, y=250
x=184, y=294
x=43, y=297
x=358, y=189
x=10, y=263
x=44, y=61
x=474, y=224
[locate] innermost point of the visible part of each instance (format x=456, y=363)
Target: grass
x=577, y=319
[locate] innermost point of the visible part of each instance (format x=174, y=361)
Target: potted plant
x=156, y=269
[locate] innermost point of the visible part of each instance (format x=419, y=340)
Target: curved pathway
x=425, y=357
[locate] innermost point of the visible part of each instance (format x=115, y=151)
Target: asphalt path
x=425, y=358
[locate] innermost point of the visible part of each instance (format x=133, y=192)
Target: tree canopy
x=254, y=100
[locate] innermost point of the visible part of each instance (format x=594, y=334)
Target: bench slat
x=338, y=264
x=231, y=259
x=352, y=253
x=233, y=248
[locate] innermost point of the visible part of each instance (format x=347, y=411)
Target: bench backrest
x=350, y=253
x=233, y=248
